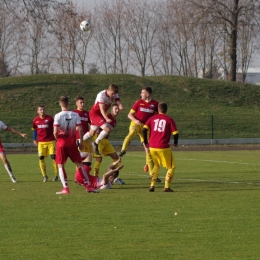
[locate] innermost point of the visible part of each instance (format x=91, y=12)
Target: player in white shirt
x=65, y=125
x=3, y=157
x=98, y=116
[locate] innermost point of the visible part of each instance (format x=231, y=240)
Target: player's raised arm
x=12, y=130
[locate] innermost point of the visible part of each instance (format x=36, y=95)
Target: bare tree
x=228, y=13
x=140, y=32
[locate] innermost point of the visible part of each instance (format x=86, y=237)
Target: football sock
x=101, y=136
x=128, y=139
x=42, y=167
x=55, y=167
x=154, y=175
x=149, y=161
x=63, y=177
x=86, y=136
x=169, y=177
x=96, y=168
x=9, y=169
x=84, y=175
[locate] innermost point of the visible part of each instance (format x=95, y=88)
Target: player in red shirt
x=98, y=116
x=44, y=139
x=161, y=128
x=85, y=153
x=66, y=123
x=3, y=157
x=107, y=179
x=105, y=147
x=141, y=111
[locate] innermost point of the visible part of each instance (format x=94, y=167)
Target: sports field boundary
x=230, y=141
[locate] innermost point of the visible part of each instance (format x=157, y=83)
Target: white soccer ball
x=85, y=26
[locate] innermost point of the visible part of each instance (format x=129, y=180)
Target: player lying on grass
x=105, y=182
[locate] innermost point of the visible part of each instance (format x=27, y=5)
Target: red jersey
x=144, y=110
x=161, y=127
x=103, y=98
x=44, y=128
x=85, y=121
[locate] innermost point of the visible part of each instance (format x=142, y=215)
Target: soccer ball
x=85, y=26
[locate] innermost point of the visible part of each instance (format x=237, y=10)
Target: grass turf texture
x=191, y=102
x=213, y=213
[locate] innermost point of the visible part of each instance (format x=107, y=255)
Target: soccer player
x=106, y=181
x=66, y=123
x=43, y=137
x=98, y=116
x=105, y=147
x=3, y=157
x=161, y=127
x=140, y=112
x=86, y=154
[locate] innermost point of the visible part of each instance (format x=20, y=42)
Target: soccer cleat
x=13, y=179
x=95, y=148
x=56, y=178
x=157, y=180
x=119, y=181
x=45, y=178
x=64, y=191
x=151, y=189
x=146, y=168
x=91, y=189
x=168, y=190
x=122, y=153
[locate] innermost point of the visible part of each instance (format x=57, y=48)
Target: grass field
x=213, y=213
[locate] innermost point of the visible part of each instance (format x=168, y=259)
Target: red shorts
x=97, y=119
x=80, y=179
x=2, y=150
x=63, y=152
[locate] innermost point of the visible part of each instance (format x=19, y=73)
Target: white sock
x=9, y=170
x=63, y=177
x=101, y=136
x=86, y=136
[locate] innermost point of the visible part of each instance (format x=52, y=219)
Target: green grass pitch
x=213, y=213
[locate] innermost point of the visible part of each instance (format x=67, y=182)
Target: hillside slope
x=192, y=102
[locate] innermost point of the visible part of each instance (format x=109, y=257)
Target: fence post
x=212, y=127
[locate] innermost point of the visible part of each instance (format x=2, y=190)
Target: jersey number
x=159, y=125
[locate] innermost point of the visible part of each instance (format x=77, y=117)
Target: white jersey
x=67, y=121
x=103, y=98
x=3, y=126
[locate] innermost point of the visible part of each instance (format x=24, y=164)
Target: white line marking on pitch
x=198, y=180
x=214, y=161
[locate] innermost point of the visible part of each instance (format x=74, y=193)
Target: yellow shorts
x=87, y=147
x=138, y=129
x=105, y=148
x=163, y=157
x=46, y=148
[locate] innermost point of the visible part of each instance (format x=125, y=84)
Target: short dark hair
x=148, y=89
x=64, y=100
x=162, y=107
x=114, y=105
x=79, y=98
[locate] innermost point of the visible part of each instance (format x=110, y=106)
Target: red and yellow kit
x=144, y=110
